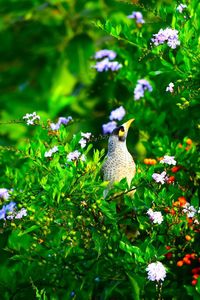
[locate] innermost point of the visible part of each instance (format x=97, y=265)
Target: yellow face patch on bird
x=128, y=124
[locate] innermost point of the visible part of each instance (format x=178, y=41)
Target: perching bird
x=119, y=163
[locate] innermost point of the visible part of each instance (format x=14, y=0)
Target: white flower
x=168, y=160
x=160, y=177
x=86, y=135
x=82, y=142
x=189, y=210
x=31, y=118
x=181, y=7
x=170, y=87
x=155, y=216
x=156, y=271
x=51, y=151
x=73, y=155
x=4, y=193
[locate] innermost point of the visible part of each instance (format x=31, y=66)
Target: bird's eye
x=121, y=131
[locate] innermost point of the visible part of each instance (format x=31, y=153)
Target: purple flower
x=4, y=193
x=156, y=271
x=109, y=127
x=3, y=213
x=168, y=160
x=110, y=54
x=181, y=7
x=51, y=151
x=168, y=35
x=141, y=87
x=21, y=213
x=137, y=15
x=10, y=207
x=31, y=118
x=160, y=177
x=170, y=87
x=73, y=155
x=61, y=120
x=117, y=114
x=105, y=65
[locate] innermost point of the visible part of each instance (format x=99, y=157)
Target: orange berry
x=180, y=263
x=176, y=203
x=188, y=148
x=182, y=200
x=180, y=145
x=146, y=161
x=189, y=141
x=172, y=212
x=187, y=261
x=194, y=282
x=175, y=169
x=193, y=255
x=171, y=179
x=188, y=237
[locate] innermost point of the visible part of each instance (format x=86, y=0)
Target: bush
x=60, y=238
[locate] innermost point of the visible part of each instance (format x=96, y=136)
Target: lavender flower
x=51, y=151
x=156, y=271
x=3, y=213
x=4, y=193
x=137, y=15
x=73, y=155
x=168, y=35
x=20, y=214
x=61, y=120
x=6, y=210
x=141, y=87
x=117, y=114
x=110, y=54
x=31, y=118
x=168, y=160
x=155, y=216
x=170, y=87
x=109, y=127
x=106, y=65
x=181, y=7
x=160, y=177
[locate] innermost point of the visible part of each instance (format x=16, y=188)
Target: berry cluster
x=187, y=260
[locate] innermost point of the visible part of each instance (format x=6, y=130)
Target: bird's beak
x=128, y=124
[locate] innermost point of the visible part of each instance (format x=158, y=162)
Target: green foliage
x=74, y=243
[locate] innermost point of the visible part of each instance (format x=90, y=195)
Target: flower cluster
x=181, y=8
x=189, y=210
x=141, y=87
x=8, y=212
x=85, y=137
x=168, y=160
x=160, y=178
x=155, y=216
x=4, y=193
x=31, y=118
x=61, y=120
x=137, y=15
x=107, y=63
x=170, y=87
x=156, y=271
x=117, y=114
x=75, y=155
x=51, y=151
x=109, y=127
x=168, y=35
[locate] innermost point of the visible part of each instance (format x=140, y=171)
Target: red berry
x=196, y=270
x=175, y=169
x=182, y=200
x=168, y=255
x=193, y=255
x=171, y=179
x=196, y=276
x=186, y=261
x=188, y=255
x=168, y=247
x=194, y=282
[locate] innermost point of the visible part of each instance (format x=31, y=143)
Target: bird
x=118, y=163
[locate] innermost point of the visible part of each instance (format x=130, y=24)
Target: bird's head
x=119, y=135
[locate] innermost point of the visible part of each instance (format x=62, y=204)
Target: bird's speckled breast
x=118, y=166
